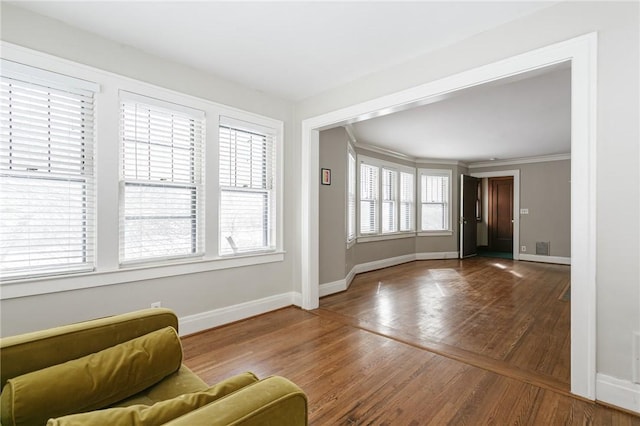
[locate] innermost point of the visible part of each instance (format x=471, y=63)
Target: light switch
x=524, y=211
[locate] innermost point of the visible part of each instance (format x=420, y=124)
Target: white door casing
x=582, y=52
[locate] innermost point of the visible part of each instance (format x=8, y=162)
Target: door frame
x=516, y=203
x=461, y=218
x=582, y=53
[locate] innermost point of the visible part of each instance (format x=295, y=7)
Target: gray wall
x=545, y=189
x=617, y=149
x=332, y=215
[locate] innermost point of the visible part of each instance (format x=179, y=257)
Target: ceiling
x=295, y=50
x=292, y=50
x=526, y=116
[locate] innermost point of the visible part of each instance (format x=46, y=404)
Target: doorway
x=501, y=216
x=581, y=51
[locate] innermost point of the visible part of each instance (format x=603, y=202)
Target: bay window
x=386, y=197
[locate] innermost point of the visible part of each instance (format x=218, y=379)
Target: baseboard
x=297, y=299
x=621, y=393
x=332, y=287
x=342, y=285
x=205, y=320
x=383, y=263
x=545, y=259
x=438, y=255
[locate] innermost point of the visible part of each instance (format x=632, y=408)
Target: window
x=247, y=187
x=389, y=200
x=351, y=195
x=107, y=180
x=368, y=199
x=386, y=197
x=161, y=179
x=406, y=201
x=435, y=194
x=46, y=173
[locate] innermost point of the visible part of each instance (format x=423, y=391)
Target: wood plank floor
x=494, y=313
x=356, y=377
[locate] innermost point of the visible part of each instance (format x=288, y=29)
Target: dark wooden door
x=468, y=214
x=501, y=214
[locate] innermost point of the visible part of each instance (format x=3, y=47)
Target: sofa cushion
x=159, y=413
x=175, y=384
x=91, y=382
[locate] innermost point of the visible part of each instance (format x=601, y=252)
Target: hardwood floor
x=356, y=377
x=499, y=314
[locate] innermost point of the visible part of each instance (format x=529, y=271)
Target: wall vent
x=542, y=247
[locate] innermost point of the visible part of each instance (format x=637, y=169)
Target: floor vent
x=542, y=247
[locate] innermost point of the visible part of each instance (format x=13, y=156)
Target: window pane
x=244, y=221
x=43, y=225
x=368, y=199
x=406, y=201
x=46, y=178
x=433, y=217
x=435, y=202
x=162, y=173
x=159, y=221
x=247, y=193
x=389, y=194
x=367, y=216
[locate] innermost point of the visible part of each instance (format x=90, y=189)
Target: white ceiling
x=293, y=50
x=528, y=117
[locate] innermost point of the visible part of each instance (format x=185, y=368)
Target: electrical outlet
x=156, y=304
x=523, y=248
x=524, y=211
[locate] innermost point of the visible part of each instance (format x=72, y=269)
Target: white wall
x=189, y=294
x=618, y=196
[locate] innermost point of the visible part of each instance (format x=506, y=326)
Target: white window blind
x=389, y=200
x=435, y=202
x=406, y=201
x=368, y=199
x=247, y=187
x=46, y=173
x=161, y=179
x=351, y=196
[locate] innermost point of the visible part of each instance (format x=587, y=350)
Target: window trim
x=398, y=168
x=438, y=232
x=107, y=269
x=351, y=239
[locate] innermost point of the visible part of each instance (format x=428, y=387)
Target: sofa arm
x=272, y=401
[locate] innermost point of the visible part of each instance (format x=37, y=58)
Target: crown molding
x=426, y=161
x=526, y=160
x=384, y=151
x=471, y=165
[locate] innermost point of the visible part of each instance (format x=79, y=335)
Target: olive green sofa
x=127, y=370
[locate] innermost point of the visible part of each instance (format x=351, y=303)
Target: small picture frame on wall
x=326, y=176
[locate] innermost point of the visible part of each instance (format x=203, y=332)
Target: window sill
x=399, y=235
x=351, y=243
x=54, y=284
x=435, y=233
